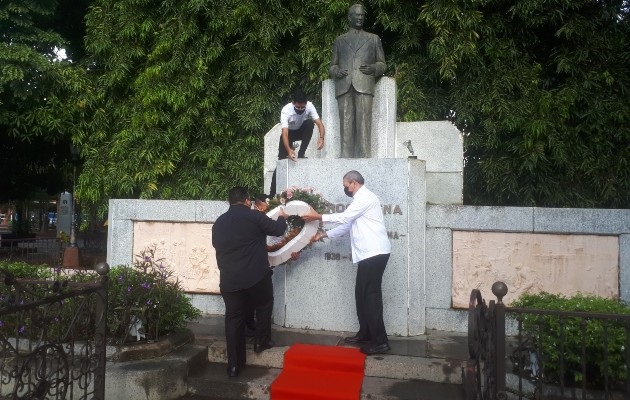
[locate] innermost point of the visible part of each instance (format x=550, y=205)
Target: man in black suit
x=239, y=237
x=357, y=61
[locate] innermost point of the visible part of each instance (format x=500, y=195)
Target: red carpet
x=314, y=372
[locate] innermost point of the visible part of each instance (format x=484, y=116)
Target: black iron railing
x=547, y=354
x=32, y=250
x=53, y=337
x=50, y=251
x=484, y=375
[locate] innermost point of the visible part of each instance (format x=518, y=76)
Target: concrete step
x=421, y=367
x=156, y=378
x=212, y=382
x=389, y=366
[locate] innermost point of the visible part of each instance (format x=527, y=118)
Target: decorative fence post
x=102, y=268
x=484, y=374
x=499, y=289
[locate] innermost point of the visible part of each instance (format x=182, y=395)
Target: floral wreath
x=294, y=222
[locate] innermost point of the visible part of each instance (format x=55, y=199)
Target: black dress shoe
x=355, y=340
x=259, y=348
x=232, y=372
x=369, y=349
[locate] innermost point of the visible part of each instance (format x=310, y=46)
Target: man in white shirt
x=363, y=220
x=297, y=120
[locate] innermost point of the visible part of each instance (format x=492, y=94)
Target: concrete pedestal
x=317, y=291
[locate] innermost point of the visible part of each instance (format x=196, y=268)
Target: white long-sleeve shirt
x=363, y=219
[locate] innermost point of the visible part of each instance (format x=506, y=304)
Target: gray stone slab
x=207, y=303
x=272, y=139
x=624, y=267
x=119, y=242
x=120, y=209
x=445, y=187
x=282, y=173
x=319, y=295
x=405, y=367
x=279, y=294
x=509, y=219
x=330, y=119
x=437, y=142
x=384, y=118
x=155, y=379
x=415, y=246
x=209, y=211
x=320, y=286
x=582, y=220
x=164, y=210
x=447, y=319
x=439, y=262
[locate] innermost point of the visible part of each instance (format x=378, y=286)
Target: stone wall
x=435, y=248
x=441, y=250
x=559, y=227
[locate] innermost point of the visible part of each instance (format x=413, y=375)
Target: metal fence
x=518, y=353
x=53, y=337
x=32, y=250
x=50, y=250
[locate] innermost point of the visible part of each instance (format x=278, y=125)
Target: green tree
x=27, y=52
x=174, y=98
x=34, y=140
x=540, y=89
x=190, y=88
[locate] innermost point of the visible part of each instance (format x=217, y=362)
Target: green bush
x=147, y=290
x=57, y=321
x=597, y=335
x=22, y=270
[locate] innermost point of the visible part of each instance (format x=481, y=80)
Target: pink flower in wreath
x=289, y=194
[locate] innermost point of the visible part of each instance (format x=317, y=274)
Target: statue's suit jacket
x=350, y=51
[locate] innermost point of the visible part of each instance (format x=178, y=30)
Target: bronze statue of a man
x=357, y=61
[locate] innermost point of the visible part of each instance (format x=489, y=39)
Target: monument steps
x=421, y=367
x=211, y=382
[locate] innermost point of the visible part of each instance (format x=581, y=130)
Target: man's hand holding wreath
x=303, y=207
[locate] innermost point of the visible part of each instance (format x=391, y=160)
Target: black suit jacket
x=239, y=238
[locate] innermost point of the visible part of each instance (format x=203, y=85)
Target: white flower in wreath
x=297, y=243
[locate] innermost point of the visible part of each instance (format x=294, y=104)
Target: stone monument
x=317, y=291
x=357, y=62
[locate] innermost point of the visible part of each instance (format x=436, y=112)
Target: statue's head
x=356, y=16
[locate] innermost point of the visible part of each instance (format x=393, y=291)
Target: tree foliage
x=188, y=89
x=34, y=141
x=540, y=89
x=174, y=97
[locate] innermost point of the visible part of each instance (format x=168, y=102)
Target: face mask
x=347, y=192
x=299, y=111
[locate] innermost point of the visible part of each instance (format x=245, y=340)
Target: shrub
x=56, y=320
x=24, y=270
x=149, y=291
x=597, y=335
